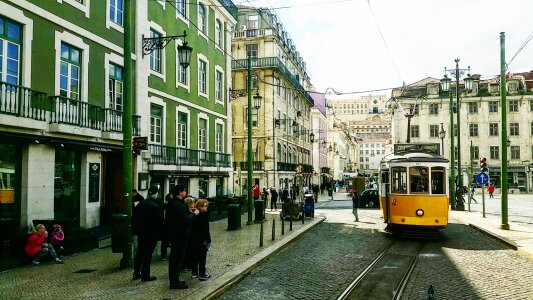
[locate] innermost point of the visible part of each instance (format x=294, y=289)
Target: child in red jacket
x=36, y=246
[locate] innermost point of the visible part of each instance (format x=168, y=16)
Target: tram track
x=388, y=274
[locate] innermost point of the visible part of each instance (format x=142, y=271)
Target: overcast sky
x=342, y=46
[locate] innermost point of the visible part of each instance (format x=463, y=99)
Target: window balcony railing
x=256, y=166
x=324, y=170
x=307, y=169
x=22, y=102
x=283, y=166
x=253, y=33
x=272, y=62
x=74, y=112
x=166, y=155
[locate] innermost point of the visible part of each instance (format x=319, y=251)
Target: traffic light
x=483, y=165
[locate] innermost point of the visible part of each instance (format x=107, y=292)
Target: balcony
x=272, y=62
x=24, y=102
x=253, y=33
x=256, y=166
x=283, y=166
x=166, y=155
x=324, y=170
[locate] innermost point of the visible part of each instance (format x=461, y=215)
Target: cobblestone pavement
x=520, y=208
x=96, y=274
x=464, y=265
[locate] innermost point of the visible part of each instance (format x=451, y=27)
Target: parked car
x=369, y=198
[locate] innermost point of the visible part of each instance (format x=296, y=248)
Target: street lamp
x=445, y=84
x=442, y=135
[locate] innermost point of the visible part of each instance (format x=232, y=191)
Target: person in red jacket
x=490, y=189
x=256, y=192
x=37, y=247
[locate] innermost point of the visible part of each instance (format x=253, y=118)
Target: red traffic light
x=483, y=160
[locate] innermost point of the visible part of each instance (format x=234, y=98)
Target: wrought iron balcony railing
x=256, y=166
x=272, y=62
x=167, y=155
x=283, y=166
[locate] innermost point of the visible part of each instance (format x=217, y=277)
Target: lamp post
x=457, y=72
x=442, y=135
x=504, y=137
x=148, y=46
x=256, y=104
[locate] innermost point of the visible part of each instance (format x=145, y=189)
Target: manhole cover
x=84, y=271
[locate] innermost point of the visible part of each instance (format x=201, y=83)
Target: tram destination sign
x=431, y=148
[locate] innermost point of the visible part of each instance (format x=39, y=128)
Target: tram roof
x=415, y=157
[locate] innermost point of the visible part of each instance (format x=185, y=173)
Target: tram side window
x=418, y=178
x=438, y=182
x=399, y=180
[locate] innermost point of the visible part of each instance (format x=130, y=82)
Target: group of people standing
x=181, y=223
x=271, y=195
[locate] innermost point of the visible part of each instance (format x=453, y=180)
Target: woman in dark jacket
x=201, y=241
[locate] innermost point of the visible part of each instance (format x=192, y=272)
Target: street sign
x=140, y=143
x=482, y=178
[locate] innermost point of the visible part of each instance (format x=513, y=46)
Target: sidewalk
x=96, y=274
x=518, y=237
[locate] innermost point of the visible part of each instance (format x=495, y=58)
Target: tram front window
x=438, y=184
x=418, y=178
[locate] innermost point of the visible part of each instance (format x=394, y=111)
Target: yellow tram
x=412, y=188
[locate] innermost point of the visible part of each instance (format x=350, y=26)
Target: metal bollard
x=290, y=222
x=261, y=236
x=282, y=225
x=273, y=229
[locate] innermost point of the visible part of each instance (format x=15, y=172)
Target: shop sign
x=94, y=182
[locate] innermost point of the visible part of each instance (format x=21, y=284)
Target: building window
x=183, y=77
x=69, y=75
x=183, y=125
x=181, y=7
x=156, y=120
x=116, y=11
x=475, y=153
x=202, y=77
x=493, y=129
x=531, y=105
x=218, y=33
x=514, y=129
x=494, y=152
x=251, y=50
x=219, y=86
x=434, y=131
x=202, y=18
x=10, y=41
x=493, y=106
x=155, y=56
x=433, y=108
x=116, y=81
x=415, y=131
x=473, y=130
x=515, y=152
x=219, y=138
x=254, y=118
x=202, y=134
x=472, y=108
x=513, y=106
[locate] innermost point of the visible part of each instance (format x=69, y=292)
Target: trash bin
x=234, y=216
x=120, y=230
x=309, y=206
x=259, y=206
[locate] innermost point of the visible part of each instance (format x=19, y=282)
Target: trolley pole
x=503, y=89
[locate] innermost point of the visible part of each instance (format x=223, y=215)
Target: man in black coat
x=178, y=227
x=147, y=222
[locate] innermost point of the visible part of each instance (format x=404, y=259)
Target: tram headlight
x=419, y=212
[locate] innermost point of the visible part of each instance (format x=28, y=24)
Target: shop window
x=8, y=181
x=66, y=184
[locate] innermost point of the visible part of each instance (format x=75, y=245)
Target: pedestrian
x=136, y=199
x=264, y=197
x=472, y=193
x=273, y=199
x=187, y=259
x=164, y=240
x=148, y=223
x=201, y=241
x=355, y=205
x=337, y=186
x=321, y=188
x=57, y=239
x=178, y=229
x=256, y=192
x=315, y=192
x=490, y=189
x=285, y=195
x=36, y=246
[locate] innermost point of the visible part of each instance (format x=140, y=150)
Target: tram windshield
x=418, y=178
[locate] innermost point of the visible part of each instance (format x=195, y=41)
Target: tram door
x=384, y=191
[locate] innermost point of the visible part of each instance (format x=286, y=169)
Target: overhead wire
x=529, y=37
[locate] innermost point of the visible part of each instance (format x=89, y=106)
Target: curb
x=225, y=282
